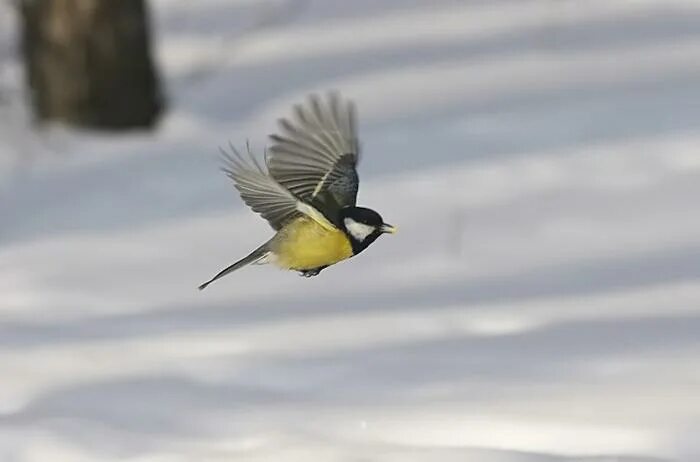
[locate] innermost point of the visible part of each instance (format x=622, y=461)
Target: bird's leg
x=311, y=272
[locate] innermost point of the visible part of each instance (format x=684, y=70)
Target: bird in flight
x=307, y=190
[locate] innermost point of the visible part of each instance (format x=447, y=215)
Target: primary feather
x=316, y=153
x=259, y=190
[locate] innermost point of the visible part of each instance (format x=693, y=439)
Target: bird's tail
x=255, y=257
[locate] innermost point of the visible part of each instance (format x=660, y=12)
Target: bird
x=306, y=189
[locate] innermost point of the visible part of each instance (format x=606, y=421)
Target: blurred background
x=540, y=303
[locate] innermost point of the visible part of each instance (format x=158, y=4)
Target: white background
x=541, y=301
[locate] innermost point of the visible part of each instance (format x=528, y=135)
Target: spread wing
x=258, y=190
x=316, y=152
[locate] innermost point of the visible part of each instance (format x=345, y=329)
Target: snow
x=540, y=303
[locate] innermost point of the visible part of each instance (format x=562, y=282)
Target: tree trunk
x=88, y=63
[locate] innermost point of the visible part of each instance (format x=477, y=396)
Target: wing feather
x=315, y=154
x=258, y=190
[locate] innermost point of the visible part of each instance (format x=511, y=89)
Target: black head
x=363, y=226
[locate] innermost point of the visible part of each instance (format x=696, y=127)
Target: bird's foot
x=311, y=272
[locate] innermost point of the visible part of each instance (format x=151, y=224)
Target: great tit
x=307, y=190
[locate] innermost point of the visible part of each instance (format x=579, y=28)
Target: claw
x=311, y=272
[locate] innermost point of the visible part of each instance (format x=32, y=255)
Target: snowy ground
x=541, y=302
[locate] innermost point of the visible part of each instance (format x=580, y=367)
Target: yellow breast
x=304, y=244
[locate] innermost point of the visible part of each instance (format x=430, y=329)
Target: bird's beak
x=386, y=228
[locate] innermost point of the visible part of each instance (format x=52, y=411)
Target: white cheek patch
x=358, y=230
